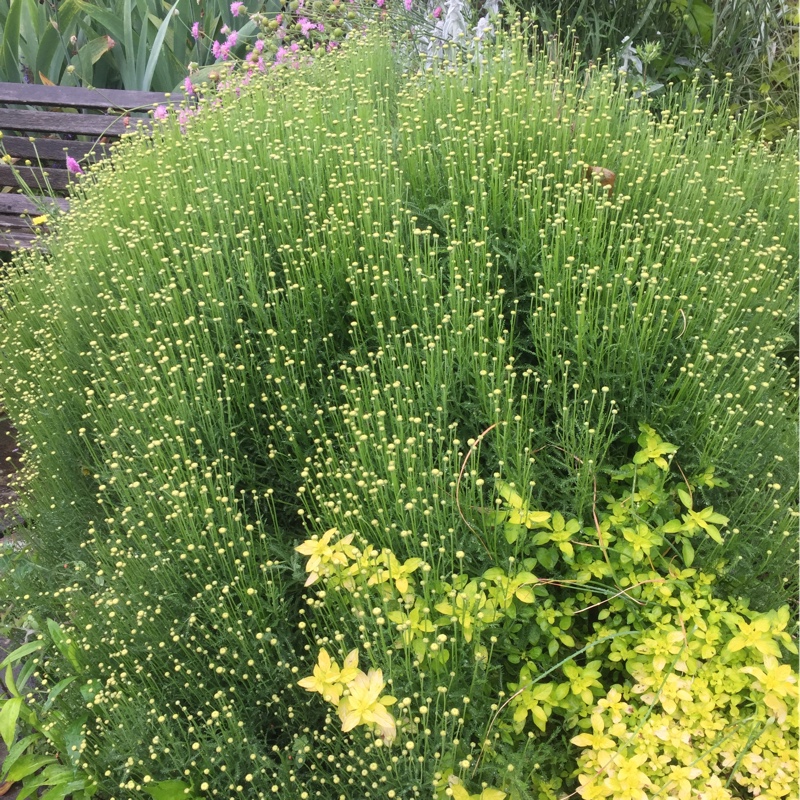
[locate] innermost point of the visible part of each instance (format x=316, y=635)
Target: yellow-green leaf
x=510, y=495
x=8, y=719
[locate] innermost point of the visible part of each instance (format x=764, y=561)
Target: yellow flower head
x=325, y=557
x=328, y=679
x=364, y=705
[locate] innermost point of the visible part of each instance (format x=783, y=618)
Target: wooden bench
x=77, y=122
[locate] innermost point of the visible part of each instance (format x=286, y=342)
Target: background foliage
x=148, y=44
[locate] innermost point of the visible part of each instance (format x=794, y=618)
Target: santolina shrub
x=352, y=317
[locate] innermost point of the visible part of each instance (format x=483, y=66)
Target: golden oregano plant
x=601, y=631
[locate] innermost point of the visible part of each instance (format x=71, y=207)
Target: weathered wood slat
x=50, y=149
x=76, y=97
x=20, y=204
x=8, y=221
x=12, y=119
x=35, y=178
x=16, y=241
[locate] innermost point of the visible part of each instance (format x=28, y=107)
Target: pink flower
x=196, y=31
x=407, y=4
x=233, y=36
x=380, y=3
x=183, y=118
x=294, y=47
x=216, y=49
x=332, y=46
x=306, y=26
x=258, y=47
x=280, y=56
x=260, y=64
x=437, y=12
x=73, y=166
x=187, y=85
x=236, y=8
x=160, y=113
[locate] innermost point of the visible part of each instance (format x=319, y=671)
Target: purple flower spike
x=196, y=31
x=160, y=113
x=73, y=166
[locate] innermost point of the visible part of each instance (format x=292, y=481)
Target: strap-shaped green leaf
x=156, y=51
x=20, y=653
x=10, y=49
x=9, y=714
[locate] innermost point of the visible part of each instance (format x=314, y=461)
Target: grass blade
x=113, y=25
x=10, y=59
x=141, y=55
x=128, y=65
x=156, y=51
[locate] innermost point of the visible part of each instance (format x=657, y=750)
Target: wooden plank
x=77, y=97
x=11, y=203
x=8, y=221
x=16, y=241
x=35, y=178
x=12, y=119
x=50, y=149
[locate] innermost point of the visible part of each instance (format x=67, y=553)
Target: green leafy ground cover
x=411, y=435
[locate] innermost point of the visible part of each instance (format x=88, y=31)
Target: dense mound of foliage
x=319, y=371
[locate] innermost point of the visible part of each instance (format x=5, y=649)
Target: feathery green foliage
x=349, y=299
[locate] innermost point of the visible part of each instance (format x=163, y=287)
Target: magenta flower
x=73, y=166
x=196, y=31
x=294, y=47
x=306, y=26
x=236, y=8
x=380, y=3
x=230, y=42
x=183, y=118
x=258, y=47
x=280, y=56
x=407, y=4
x=437, y=12
x=216, y=49
x=160, y=113
x=188, y=86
